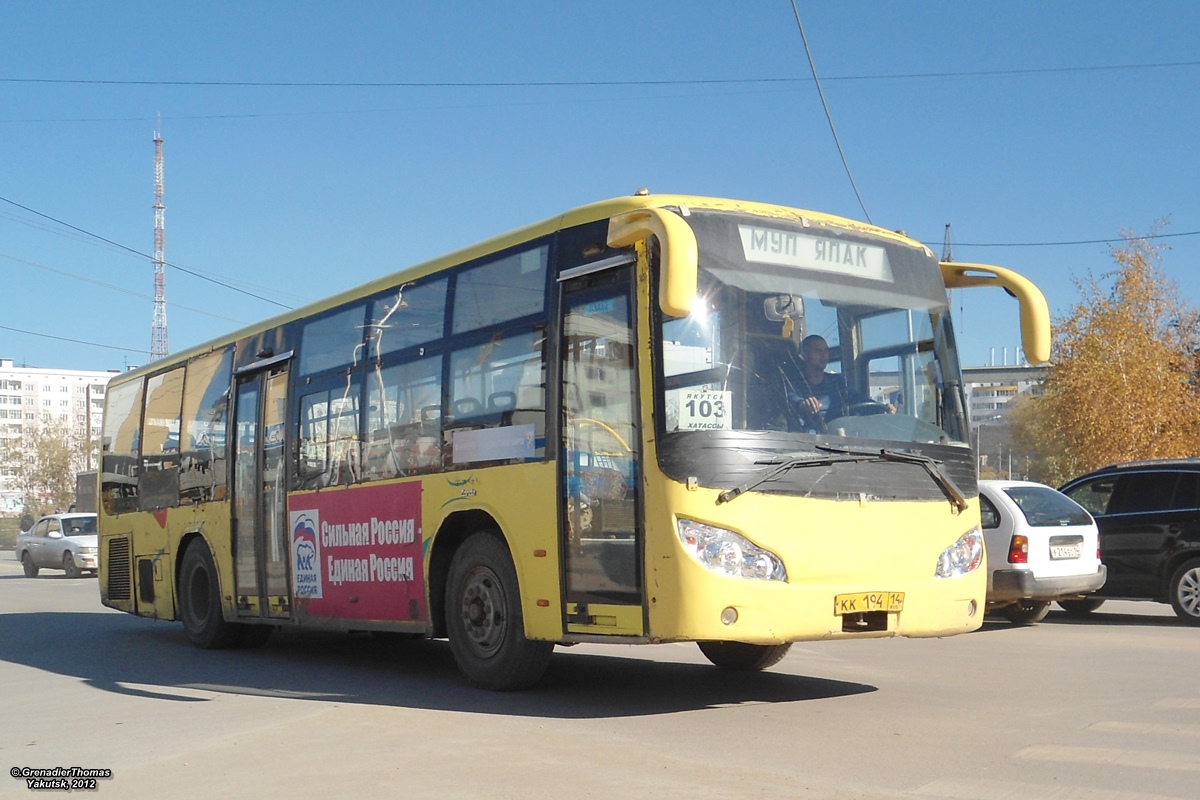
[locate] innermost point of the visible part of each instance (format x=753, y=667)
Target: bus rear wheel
x=484, y=621
x=200, y=601
x=743, y=657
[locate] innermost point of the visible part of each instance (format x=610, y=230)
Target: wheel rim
x=1188, y=592
x=483, y=611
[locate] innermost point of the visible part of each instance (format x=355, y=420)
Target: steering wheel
x=868, y=408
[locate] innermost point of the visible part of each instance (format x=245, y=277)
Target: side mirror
x=1035, y=314
x=54, y=535
x=677, y=244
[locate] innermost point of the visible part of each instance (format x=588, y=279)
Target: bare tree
x=45, y=461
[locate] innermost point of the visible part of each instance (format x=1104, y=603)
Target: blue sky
x=1017, y=123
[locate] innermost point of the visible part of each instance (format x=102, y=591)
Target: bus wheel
x=1026, y=611
x=484, y=621
x=200, y=601
x=31, y=570
x=743, y=657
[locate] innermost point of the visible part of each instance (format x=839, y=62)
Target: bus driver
x=818, y=396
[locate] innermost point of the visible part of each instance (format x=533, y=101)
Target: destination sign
x=791, y=249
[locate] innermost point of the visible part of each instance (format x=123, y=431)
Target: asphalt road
x=1105, y=709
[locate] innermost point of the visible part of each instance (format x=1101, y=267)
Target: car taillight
x=1018, y=550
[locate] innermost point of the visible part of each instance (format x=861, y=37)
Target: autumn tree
x=1123, y=380
x=44, y=462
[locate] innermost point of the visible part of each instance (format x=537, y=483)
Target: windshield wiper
x=783, y=467
x=933, y=467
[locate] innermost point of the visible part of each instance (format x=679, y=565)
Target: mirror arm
x=1035, y=314
x=677, y=245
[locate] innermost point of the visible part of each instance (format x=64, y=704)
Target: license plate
x=1059, y=551
x=868, y=601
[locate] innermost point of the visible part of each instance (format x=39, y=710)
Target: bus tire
x=743, y=657
x=484, y=621
x=200, y=602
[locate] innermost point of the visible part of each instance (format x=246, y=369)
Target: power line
x=115, y=288
x=1074, y=242
x=145, y=255
x=813, y=66
x=539, y=84
x=73, y=341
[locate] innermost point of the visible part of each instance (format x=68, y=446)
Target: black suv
x=1148, y=513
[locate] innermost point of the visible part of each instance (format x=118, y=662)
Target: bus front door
x=260, y=496
x=600, y=529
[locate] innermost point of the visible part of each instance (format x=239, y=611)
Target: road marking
x=1163, y=728
x=1178, y=702
x=982, y=789
x=1111, y=756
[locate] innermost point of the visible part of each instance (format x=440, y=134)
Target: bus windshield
x=808, y=337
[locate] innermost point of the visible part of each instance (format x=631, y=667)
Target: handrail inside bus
x=677, y=273
x=1035, y=314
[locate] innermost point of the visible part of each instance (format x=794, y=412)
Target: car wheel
x=1026, y=611
x=484, y=621
x=27, y=564
x=70, y=567
x=200, y=601
x=1185, y=592
x=1081, y=608
x=743, y=657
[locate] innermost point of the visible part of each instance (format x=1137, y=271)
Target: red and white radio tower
x=158, y=336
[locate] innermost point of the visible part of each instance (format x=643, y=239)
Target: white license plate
x=1060, y=551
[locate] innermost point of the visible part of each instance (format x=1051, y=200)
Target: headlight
x=962, y=557
x=729, y=553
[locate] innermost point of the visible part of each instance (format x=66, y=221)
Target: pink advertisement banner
x=356, y=553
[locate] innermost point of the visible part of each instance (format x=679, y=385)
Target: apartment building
x=29, y=395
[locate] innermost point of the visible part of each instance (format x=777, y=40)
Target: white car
x=1041, y=546
x=60, y=541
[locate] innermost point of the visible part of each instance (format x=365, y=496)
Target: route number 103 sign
x=705, y=411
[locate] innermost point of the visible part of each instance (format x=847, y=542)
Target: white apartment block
x=991, y=389
x=29, y=395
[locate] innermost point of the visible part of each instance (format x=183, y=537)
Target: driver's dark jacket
x=830, y=392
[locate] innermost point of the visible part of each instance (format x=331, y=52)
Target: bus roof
x=578, y=216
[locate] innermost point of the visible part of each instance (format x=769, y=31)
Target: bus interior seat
x=501, y=401
x=466, y=407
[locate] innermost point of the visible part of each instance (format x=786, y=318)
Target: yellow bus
x=591, y=429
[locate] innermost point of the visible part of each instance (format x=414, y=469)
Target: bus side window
x=121, y=445
x=158, y=479
x=328, y=451
x=402, y=401
x=202, y=470
x=498, y=384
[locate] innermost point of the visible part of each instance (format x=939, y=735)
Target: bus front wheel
x=743, y=657
x=484, y=621
x=200, y=601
